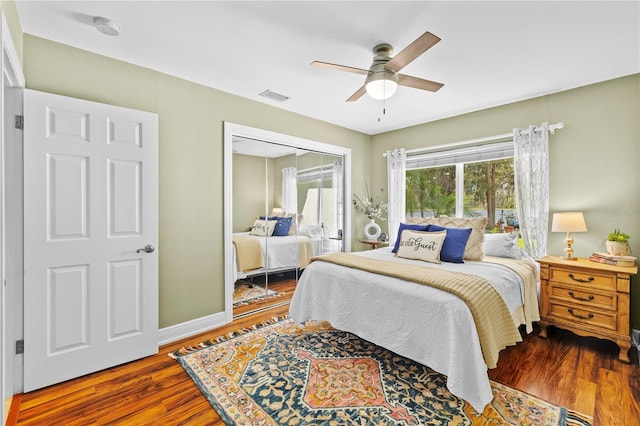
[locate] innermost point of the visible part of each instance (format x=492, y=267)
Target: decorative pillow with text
x=263, y=228
x=421, y=245
x=404, y=226
x=473, y=250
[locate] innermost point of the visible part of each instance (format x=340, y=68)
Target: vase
x=618, y=248
x=372, y=230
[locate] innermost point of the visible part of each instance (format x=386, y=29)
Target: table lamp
x=568, y=222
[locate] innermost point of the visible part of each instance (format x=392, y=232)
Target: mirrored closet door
x=287, y=204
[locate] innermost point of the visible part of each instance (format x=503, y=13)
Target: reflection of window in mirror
x=320, y=195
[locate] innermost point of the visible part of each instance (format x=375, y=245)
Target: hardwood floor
x=583, y=374
x=282, y=283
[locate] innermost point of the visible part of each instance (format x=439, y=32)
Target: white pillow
x=311, y=231
x=263, y=228
x=421, y=245
x=501, y=245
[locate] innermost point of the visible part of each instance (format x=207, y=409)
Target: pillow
x=455, y=243
x=501, y=245
x=282, y=227
x=263, y=228
x=407, y=226
x=311, y=231
x=473, y=251
x=295, y=222
x=421, y=245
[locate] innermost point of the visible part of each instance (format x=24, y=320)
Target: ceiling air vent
x=274, y=96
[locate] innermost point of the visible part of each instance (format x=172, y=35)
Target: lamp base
x=568, y=250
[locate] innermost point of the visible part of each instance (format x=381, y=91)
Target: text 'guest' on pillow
x=421, y=245
x=473, y=250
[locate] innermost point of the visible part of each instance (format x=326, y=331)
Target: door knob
x=147, y=249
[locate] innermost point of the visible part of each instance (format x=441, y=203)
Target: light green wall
x=191, y=170
x=253, y=181
x=594, y=160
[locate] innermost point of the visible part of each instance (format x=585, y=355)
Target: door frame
x=232, y=130
x=10, y=211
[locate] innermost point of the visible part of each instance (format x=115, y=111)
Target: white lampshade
x=568, y=222
x=381, y=84
x=381, y=89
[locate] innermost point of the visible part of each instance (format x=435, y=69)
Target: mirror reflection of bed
x=288, y=206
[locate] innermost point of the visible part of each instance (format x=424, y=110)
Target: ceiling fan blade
x=412, y=51
x=418, y=83
x=340, y=67
x=361, y=91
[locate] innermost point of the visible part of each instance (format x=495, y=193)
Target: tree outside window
x=487, y=188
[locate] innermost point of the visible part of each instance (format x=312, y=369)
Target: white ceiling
x=491, y=53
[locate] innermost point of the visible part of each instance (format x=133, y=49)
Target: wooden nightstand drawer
x=585, y=278
x=585, y=297
x=588, y=298
x=584, y=315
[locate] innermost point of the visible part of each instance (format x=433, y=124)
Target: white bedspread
x=422, y=323
x=279, y=253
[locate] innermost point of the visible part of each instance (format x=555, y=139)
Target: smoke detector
x=106, y=26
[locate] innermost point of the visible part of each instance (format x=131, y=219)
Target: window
x=466, y=182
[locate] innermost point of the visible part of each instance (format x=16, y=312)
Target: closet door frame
x=232, y=130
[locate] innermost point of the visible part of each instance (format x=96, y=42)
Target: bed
x=425, y=324
x=275, y=253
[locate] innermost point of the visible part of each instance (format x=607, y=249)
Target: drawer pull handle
x=584, y=299
x=580, y=316
x=581, y=280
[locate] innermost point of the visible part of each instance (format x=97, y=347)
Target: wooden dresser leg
x=624, y=350
x=543, y=330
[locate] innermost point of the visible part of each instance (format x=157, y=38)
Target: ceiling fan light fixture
x=381, y=85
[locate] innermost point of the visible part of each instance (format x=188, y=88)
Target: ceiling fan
x=382, y=76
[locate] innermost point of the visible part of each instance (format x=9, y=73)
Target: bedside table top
x=587, y=264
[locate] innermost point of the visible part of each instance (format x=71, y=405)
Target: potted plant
x=373, y=210
x=618, y=243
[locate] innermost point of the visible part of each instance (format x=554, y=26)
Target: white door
x=91, y=207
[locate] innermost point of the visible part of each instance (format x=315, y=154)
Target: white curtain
x=338, y=196
x=396, y=186
x=531, y=169
x=290, y=190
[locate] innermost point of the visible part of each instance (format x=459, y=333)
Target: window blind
x=472, y=154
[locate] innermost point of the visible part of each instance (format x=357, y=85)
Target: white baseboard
x=190, y=328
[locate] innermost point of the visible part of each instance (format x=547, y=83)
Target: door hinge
x=20, y=122
x=19, y=346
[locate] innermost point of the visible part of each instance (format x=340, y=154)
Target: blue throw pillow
x=411, y=226
x=282, y=227
x=454, y=244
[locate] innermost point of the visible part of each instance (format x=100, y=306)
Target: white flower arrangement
x=366, y=205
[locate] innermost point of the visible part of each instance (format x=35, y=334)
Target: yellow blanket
x=248, y=252
x=495, y=326
x=305, y=251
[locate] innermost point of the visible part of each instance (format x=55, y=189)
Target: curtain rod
x=317, y=168
x=552, y=130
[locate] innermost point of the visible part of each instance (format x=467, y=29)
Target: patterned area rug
x=243, y=294
x=281, y=374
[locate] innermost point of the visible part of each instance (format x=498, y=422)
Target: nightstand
x=587, y=298
x=374, y=243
